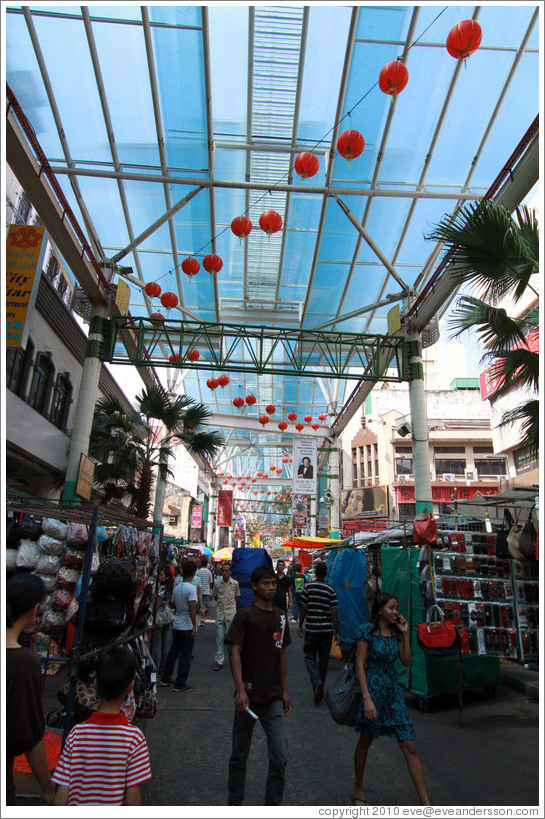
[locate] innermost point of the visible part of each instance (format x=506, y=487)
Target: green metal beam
x=252, y=349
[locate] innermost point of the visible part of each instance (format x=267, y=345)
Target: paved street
x=492, y=760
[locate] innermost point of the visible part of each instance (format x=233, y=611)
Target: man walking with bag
x=319, y=610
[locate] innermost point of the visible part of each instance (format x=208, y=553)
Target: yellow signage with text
x=85, y=477
x=122, y=296
x=25, y=248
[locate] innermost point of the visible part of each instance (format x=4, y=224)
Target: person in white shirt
x=226, y=592
x=184, y=628
x=207, y=581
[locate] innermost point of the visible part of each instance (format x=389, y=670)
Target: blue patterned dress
x=393, y=718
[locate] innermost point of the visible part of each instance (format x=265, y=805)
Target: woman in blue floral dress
x=382, y=711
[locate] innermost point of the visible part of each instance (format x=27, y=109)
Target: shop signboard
x=443, y=494
x=225, y=507
x=304, y=466
x=123, y=296
x=364, y=501
x=196, y=516
x=85, y=477
x=25, y=249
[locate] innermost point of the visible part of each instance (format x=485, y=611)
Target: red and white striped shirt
x=102, y=757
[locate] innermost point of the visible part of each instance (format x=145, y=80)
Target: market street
x=492, y=760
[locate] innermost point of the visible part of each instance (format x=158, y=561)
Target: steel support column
x=419, y=425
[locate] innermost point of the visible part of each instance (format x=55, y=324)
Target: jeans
x=272, y=719
x=161, y=640
x=222, y=627
x=182, y=646
x=295, y=606
x=316, y=649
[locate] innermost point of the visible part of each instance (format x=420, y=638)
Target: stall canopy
x=310, y=543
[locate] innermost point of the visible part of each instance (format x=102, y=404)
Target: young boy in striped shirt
x=105, y=759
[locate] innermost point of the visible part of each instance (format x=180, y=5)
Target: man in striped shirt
x=319, y=610
x=105, y=759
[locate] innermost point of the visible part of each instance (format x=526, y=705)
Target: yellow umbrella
x=224, y=554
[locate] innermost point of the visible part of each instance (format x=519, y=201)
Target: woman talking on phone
x=382, y=711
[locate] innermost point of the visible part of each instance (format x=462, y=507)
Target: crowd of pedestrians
x=105, y=759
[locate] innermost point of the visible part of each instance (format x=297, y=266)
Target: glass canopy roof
x=137, y=107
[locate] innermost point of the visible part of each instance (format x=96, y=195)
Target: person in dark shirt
x=284, y=585
x=258, y=637
x=319, y=609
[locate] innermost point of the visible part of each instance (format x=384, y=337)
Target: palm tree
x=498, y=253
x=130, y=447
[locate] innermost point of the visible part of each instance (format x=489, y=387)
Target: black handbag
x=528, y=538
x=343, y=696
x=30, y=527
x=502, y=547
x=107, y=616
x=115, y=576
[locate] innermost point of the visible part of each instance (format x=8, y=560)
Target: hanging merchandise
x=437, y=637
x=424, y=529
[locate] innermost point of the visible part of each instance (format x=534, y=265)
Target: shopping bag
x=437, y=637
x=343, y=696
x=424, y=531
x=335, y=651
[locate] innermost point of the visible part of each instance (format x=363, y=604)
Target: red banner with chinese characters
x=196, y=516
x=443, y=494
x=225, y=507
x=489, y=382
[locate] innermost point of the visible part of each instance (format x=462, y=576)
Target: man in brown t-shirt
x=258, y=637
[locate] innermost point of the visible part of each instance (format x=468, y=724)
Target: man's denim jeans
x=316, y=649
x=273, y=721
x=182, y=646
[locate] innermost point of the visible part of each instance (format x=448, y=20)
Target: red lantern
x=322, y=416
x=350, y=144
x=254, y=480
x=157, y=318
x=153, y=290
x=306, y=164
x=174, y=357
x=315, y=425
x=263, y=419
x=223, y=380
x=270, y=222
x=268, y=493
x=272, y=468
x=393, y=78
x=299, y=426
x=238, y=402
x=464, y=39
x=194, y=355
x=292, y=416
x=225, y=481
x=308, y=418
x=241, y=226
x=282, y=426
x=212, y=383
x=270, y=408
x=248, y=477
x=169, y=300
x=250, y=400
x=265, y=474
x=212, y=263
x=190, y=266
x=285, y=460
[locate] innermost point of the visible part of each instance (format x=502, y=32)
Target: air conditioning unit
x=471, y=475
x=449, y=476
x=405, y=478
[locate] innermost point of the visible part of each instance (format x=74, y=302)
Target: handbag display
x=528, y=538
x=437, y=637
x=502, y=547
x=115, y=576
x=513, y=538
x=343, y=696
x=424, y=531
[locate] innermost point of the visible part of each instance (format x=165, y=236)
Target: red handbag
x=438, y=637
x=424, y=531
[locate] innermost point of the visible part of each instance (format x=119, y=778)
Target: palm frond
x=528, y=413
x=518, y=368
x=203, y=442
x=495, y=328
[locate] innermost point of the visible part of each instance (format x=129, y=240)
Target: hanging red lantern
x=174, y=357
x=350, y=144
x=254, y=480
x=270, y=222
x=282, y=426
x=223, y=380
x=292, y=416
x=190, y=266
x=248, y=477
x=238, y=402
x=315, y=425
x=308, y=418
x=306, y=164
x=322, y=416
x=194, y=355
x=263, y=419
x=265, y=474
x=169, y=300
x=225, y=481
x=272, y=468
x=212, y=383
x=250, y=400
x=464, y=39
x=270, y=408
x=241, y=226
x=259, y=474
x=153, y=290
x=157, y=318
x=212, y=263
x=285, y=460
x=299, y=426
x=268, y=493
x=393, y=78
x=243, y=483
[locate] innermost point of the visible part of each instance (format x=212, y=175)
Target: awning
x=310, y=543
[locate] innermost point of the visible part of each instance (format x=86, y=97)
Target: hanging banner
x=225, y=507
x=443, y=494
x=256, y=540
x=364, y=502
x=196, y=516
x=299, y=511
x=240, y=527
x=25, y=249
x=304, y=466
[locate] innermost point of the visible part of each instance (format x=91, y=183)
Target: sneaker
x=166, y=681
x=217, y=667
x=318, y=693
x=183, y=687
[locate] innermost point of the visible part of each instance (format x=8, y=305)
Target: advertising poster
x=196, y=516
x=299, y=511
x=304, y=466
x=25, y=249
x=240, y=527
x=225, y=507
x=364, y=501
x=256, y=540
